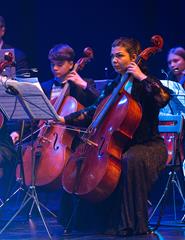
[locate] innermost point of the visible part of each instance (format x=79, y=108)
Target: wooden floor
x=24, y=228
x=34, y=229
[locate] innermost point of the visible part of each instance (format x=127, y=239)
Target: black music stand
x=176, y=163
x=25, y=101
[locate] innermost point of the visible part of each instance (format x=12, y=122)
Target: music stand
x=25, y=101
x=176, y=161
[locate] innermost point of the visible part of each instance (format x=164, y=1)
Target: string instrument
x=93, y=171
x=8, y=61
x=52, y=147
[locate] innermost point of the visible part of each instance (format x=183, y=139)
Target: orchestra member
x=176, y=65
x=125, y=212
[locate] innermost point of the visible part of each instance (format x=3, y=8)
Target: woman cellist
x=125, y=211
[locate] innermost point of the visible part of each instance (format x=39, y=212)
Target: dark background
x=35, y=26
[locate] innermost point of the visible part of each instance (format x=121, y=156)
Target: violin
x=52, y=147
x=93, y=171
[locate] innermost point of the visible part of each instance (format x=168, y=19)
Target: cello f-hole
x=100, y=154
x=55, y=141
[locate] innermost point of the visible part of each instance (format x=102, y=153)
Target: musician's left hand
x=76, y=79
x=135, y=70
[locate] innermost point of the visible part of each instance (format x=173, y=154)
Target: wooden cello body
x=51, y=150
x=100, y=165
x=93, y=171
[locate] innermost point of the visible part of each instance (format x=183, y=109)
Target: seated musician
x=176, y=65
x=175, y=81
x=125, y=211
x=61, y=59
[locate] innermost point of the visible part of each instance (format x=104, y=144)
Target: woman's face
x=120, y=59
x=176, y=64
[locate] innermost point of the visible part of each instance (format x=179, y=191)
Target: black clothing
x=126, y=208
x=5, y=139
x=85, y=97
x=8, y=160
x=8, y=156
x=148, y=94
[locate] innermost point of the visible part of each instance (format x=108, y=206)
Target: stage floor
x=25, y=228
x=34, y=229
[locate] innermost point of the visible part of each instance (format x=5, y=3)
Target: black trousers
x=8, y=160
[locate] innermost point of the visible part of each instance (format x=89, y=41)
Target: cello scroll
x=158, y=42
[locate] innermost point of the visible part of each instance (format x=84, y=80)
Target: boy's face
x=61, y=68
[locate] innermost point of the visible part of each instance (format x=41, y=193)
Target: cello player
x=125, y=211
x=61, y=58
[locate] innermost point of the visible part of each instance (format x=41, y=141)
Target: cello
x=52, y=147
x=93, y=171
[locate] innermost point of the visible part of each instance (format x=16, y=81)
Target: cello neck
x=61, y=97
x=110, y=101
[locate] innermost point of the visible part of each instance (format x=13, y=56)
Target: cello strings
x=70, y=128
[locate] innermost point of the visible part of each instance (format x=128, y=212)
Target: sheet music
x=32, y=99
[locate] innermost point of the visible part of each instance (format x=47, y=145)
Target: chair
x=172, y=125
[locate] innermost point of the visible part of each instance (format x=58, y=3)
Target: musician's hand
x=15, y=137
x=76, y=79
x=61, y=120
x=135, y=70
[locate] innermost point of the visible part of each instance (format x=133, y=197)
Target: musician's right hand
x=61, y=120
x=15, y=137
